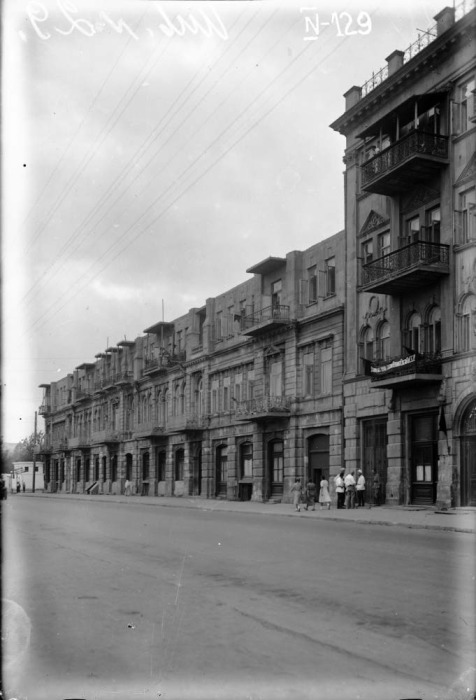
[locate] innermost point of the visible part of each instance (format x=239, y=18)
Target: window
x=226, y=394
x=326, y=369
x=214, y=396
x=251, y=384
x=179, y=341
x=467, y=325
x=413, y=334
x=383, y=242
x=276, y=289
x=331, y=276
x=465, y=219
x=238, y=387
x=276, y=378
x=412, y=230
x=366, y=348
x=308, y=372
x=432, y=229
x=466, y=106
x=219, y=325
x=179, y=462
x=367, y=252
x=384, y=341
x=222, y=460
x=246, y=460
x=433, y=336
x=312, y=284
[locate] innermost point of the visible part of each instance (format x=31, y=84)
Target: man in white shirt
x=340, y=489
x=349, y=483
x=360, y=489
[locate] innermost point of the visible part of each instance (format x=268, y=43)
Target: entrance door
x=374, y=456
x=424, y=459
x=468, y=457
x=276, y=468
x=318, y=458
x=196, y=485
x=221, y=471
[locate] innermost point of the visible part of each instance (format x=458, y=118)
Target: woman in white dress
x=324, y=497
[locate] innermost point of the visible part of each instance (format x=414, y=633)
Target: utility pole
x=34, y=458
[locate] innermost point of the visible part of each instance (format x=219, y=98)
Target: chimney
x=395, y=61
x=352, y=96
x=444, y=20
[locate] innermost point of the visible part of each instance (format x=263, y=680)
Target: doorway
x=424, y=459
x=468, y=458
x=374, y=456
x=318, y=454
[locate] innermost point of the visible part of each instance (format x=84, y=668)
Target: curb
x=104, y=498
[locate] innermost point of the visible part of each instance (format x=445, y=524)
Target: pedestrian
x=376, y=489
x=296, y=490
x=360, y=489
x=18, y=487
x=127, y=488
x=23, y=485
x=340, y=490
x=310, y=495
x=3, y=490
x=324, y=496
x=349, y=483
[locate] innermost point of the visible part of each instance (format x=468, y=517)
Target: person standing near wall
x=296, y=490
x=349, y=483
x=360, y=489
x=340, y=490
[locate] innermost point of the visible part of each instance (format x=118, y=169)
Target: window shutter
x=321, y=284
x=303, y=291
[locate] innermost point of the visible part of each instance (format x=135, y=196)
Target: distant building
x=22, y=472
x=410, y=199
x=232, y=400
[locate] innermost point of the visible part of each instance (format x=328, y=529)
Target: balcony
x=265, y=320
x=414, y=158
x=83, y=394
x=264, y=409
x=148, y=429
x=409, y=370
x=79, y=442
x=189, y=422
x=44, y=409
x=412, y=267
x=164, y=362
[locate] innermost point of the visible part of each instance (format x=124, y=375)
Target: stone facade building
x=410, y=362
x=358, y=352
x=232, y=400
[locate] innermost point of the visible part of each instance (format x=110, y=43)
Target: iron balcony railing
x=44, y=409
x=410, y=363
x=276, y=312
x=412, y=255
x=415, y=143
x=264, y=404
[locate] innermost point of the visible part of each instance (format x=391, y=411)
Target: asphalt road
x=126, y=601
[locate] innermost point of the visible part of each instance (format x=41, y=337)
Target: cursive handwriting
x=201, y=21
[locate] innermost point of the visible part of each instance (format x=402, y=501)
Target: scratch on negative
x=179, y=584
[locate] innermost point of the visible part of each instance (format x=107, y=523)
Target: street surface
x=120, y=600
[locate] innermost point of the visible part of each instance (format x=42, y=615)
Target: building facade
x=409, y=396
x=232, y=400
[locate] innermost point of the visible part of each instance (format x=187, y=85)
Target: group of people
x=306, y=495
x=349, y=490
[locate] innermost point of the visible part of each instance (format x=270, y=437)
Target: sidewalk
x=417, y=517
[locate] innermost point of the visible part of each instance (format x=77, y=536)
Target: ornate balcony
x=414, y=266
x=264, y=409
x=413, y=158
x=44, y=409
x=148, y=429
x=79, y=441
x=410, y=369
x=269, y=318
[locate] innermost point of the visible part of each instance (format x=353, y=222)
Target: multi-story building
x=410, y=329
x=232, y=400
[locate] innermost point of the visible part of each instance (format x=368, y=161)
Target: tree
x=24, y=450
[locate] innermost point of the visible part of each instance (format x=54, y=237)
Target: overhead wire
x=200, y=176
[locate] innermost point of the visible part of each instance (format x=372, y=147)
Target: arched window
x=199, y=397
x=176, y=401
x=467, y=325
x=366, y=347
x=413, y=333
x=384, y=341
x=433, y=335
x=182, y=399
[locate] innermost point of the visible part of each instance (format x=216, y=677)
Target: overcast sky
x=155, y=163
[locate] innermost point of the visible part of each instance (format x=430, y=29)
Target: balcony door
x=424, y=459
x=468, y=459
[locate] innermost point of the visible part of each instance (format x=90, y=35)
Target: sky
x=154, y=151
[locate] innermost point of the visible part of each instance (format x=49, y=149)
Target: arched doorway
x=196, y=480
x=468, y=459
x=129, y=466
x=221, y=471
x=145, y=472
x=318, y=453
